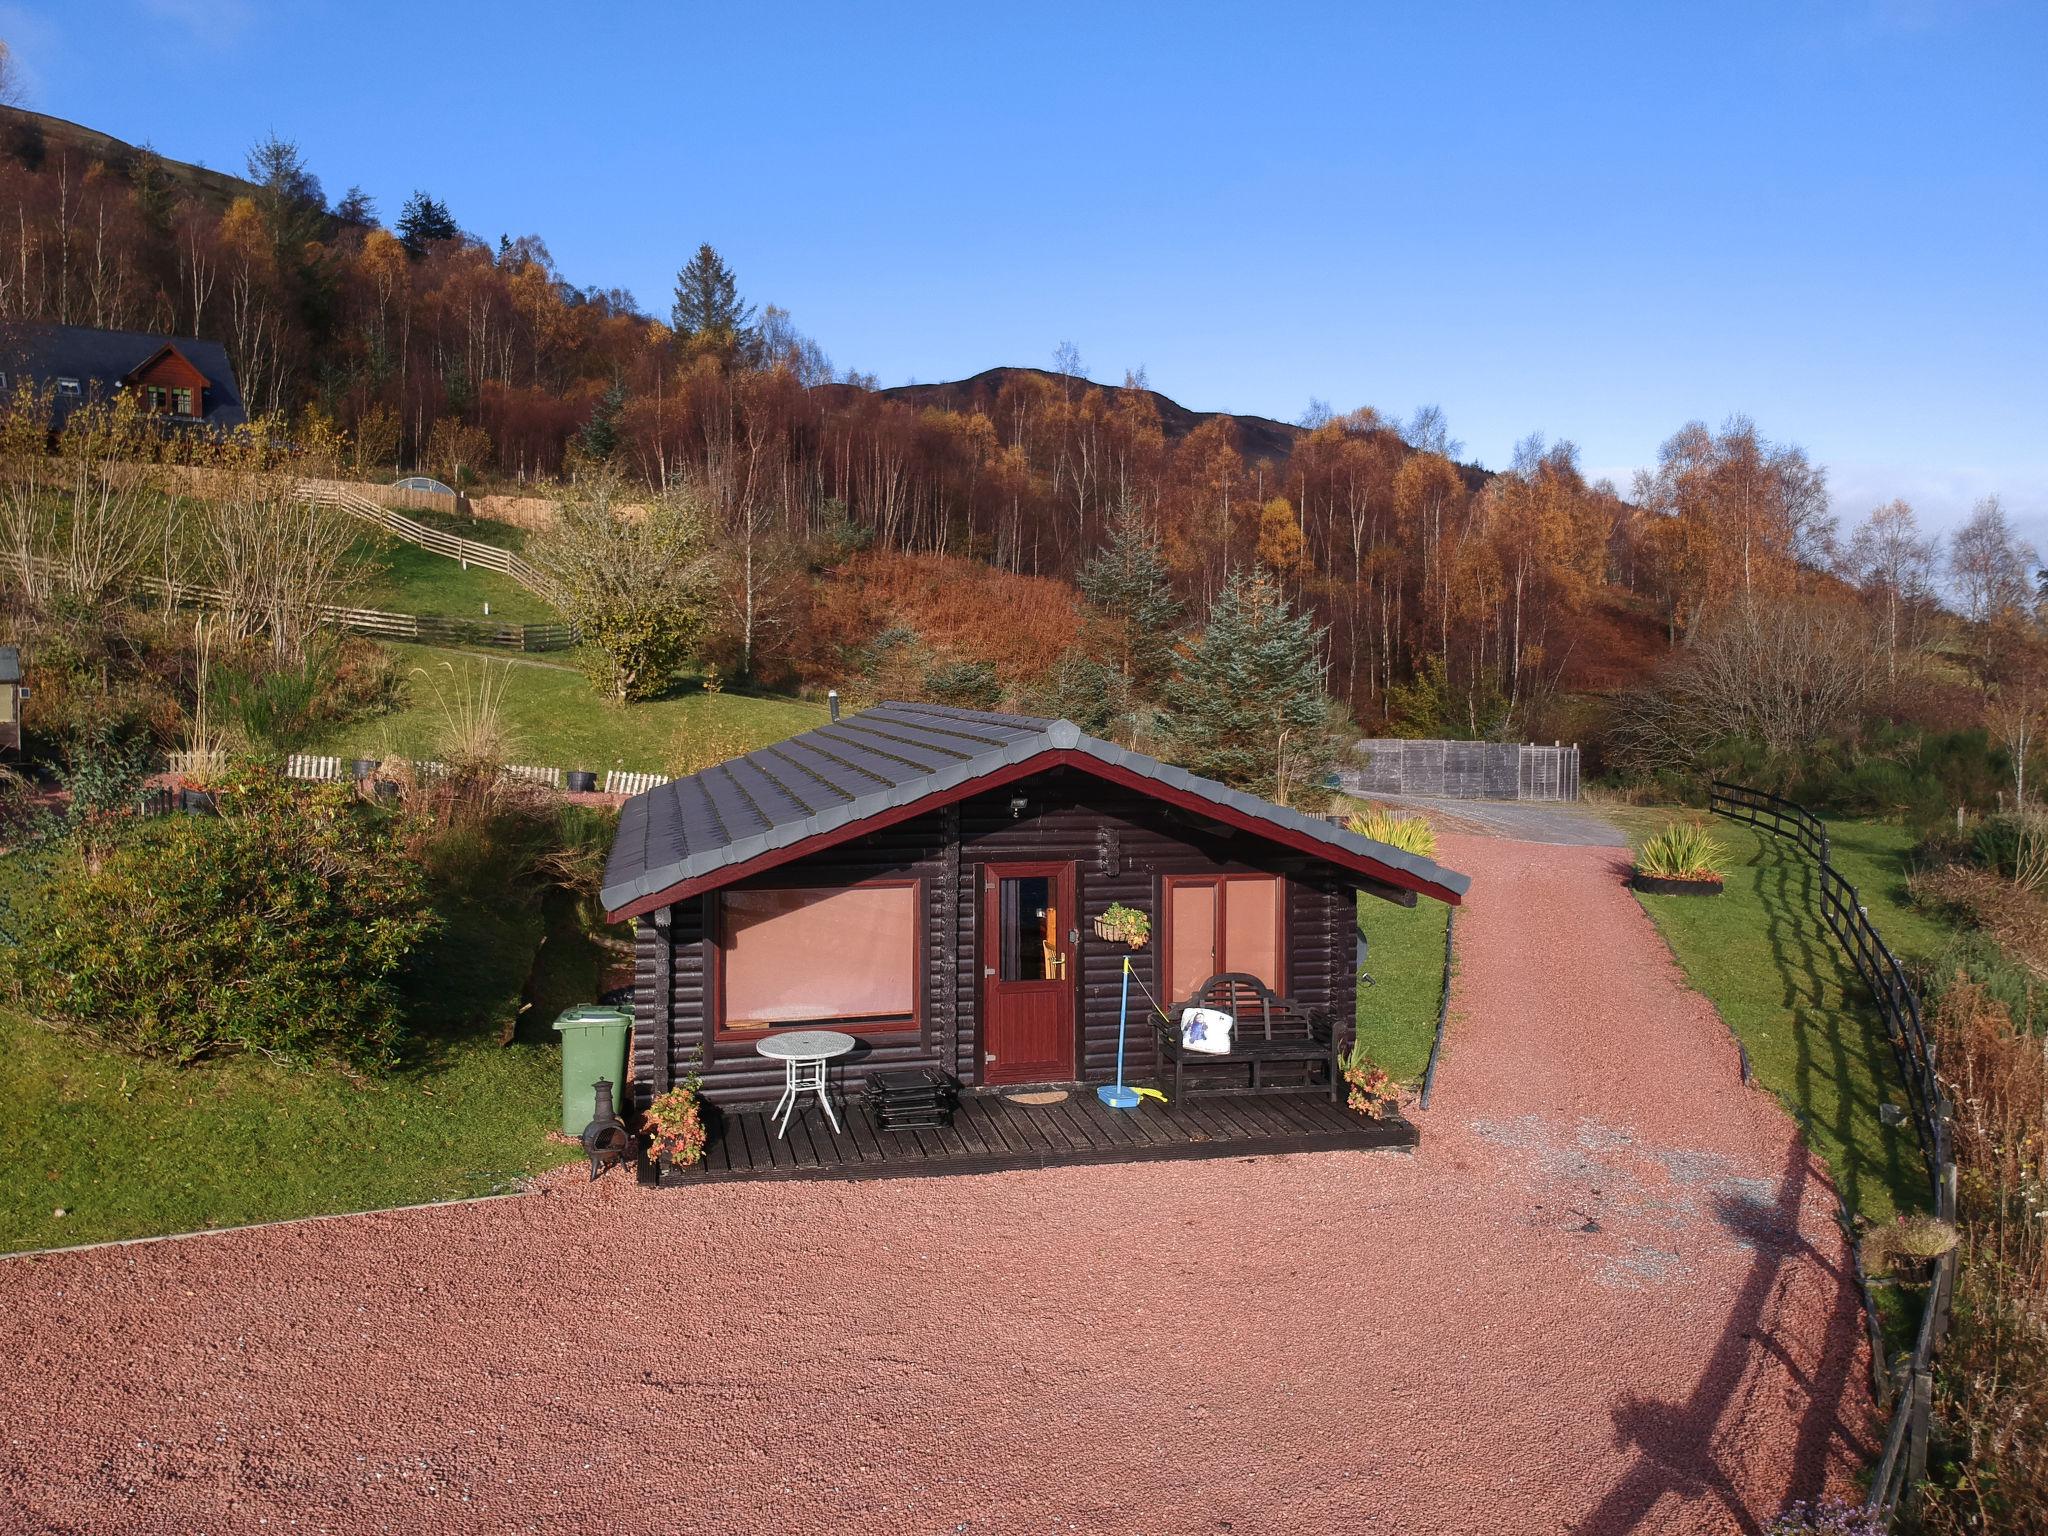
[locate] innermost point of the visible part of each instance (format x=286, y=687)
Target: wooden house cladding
x=1119, y=844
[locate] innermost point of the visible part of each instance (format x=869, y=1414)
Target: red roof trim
x=1057, y=758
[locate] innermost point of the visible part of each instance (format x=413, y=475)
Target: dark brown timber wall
x=1122, y=845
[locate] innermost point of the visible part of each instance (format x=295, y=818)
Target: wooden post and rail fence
x=421, y=628
x=490, y=557
x=1910, y=1386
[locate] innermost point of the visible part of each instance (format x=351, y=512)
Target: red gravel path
x=1606, y=1296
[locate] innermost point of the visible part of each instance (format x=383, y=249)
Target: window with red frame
x=1217, y=923
x=843, y=955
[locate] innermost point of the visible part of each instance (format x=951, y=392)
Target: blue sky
x=1596, y=221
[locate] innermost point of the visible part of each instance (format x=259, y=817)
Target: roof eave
x=1377, y=867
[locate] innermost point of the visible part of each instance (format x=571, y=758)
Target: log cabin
x=926, y=879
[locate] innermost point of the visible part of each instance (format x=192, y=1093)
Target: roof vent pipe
x=832, y=702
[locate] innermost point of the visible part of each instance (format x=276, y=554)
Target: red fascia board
x=1112, y=773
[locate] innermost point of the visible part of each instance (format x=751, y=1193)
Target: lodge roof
x=740, y=817
x=100, y=360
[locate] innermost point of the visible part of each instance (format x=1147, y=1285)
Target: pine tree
x=1132, y=609
x=599, y=439
x=423, y=221
x=708, y=301
x=1246, y=704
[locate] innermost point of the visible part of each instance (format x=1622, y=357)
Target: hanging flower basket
x=1124, y=925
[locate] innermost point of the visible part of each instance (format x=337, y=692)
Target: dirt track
x=1606, y=1296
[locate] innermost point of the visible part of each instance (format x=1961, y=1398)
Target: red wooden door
x=1029, y=972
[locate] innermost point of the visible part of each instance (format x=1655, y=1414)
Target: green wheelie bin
x=593, y=1046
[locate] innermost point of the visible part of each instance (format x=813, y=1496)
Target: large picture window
x=845, y=955
x=1217, y=923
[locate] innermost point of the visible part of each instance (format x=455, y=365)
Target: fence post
x=1916, y=1431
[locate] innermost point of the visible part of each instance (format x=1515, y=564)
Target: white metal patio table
x=805, y=1054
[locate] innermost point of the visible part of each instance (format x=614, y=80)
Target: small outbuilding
x=11, y=694
x=927, y=880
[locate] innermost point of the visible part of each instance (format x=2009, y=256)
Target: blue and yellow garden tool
x=1117, y=1096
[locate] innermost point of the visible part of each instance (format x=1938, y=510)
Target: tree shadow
x=1673, y=1439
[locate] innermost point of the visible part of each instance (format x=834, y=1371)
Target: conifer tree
x=423, y=221
x=708, y=304
x=1246, y=704
x=599, y=439
x=1131, y=605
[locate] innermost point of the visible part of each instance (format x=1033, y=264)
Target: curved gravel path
x=1607, y=1295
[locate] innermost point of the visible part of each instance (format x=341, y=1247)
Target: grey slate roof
x=885, y=758
x=100, y=360
x=10, y=664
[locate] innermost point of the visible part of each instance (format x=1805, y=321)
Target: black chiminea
x=605, y=1139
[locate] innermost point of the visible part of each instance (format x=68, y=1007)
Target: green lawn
x=1405, y=958
x=1760, y=953
x=407, y=579
x=131, y=1148
x=560, y=721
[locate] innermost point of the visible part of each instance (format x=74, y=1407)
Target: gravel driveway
x=1607, y=1295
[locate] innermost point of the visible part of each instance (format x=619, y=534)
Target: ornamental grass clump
x=1410, y=834
x=1906, y=1245
x=1684, y=850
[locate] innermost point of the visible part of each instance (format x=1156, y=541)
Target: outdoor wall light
x=1017, y=805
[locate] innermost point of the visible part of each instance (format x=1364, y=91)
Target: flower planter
x=198, y=802
x=581, y=781
x=1667, y=885
x=1116, y=933
x=363, y=768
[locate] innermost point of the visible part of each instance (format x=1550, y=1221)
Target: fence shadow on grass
x=1840, y=1058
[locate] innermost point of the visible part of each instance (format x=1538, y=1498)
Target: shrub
x=1410, y=834
x=1684, y=850
x=1371, y=1091
x=966, y=684
x=1991, y=1382
x=281, y=926
x=675, y=1125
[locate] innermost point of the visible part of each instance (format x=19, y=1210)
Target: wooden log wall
x=1122, y=845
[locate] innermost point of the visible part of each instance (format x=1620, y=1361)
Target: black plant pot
x=581, y=782
x=363, y=768
x=1662, y=885
x=198, y=802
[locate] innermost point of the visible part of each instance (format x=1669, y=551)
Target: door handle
x=988, y=972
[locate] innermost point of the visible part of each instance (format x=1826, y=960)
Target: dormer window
x=159, y=398
x=181, y=402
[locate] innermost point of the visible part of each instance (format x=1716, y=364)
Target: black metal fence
x=1911, y=1384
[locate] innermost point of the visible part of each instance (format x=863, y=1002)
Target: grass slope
x=131, y=1148
x=1761, y=955
x=560, y=721
x=407, y=579
x=1405, y=958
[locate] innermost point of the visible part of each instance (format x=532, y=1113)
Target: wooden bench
x=1267, y=1028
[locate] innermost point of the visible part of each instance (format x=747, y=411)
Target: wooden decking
x=989, y=1134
